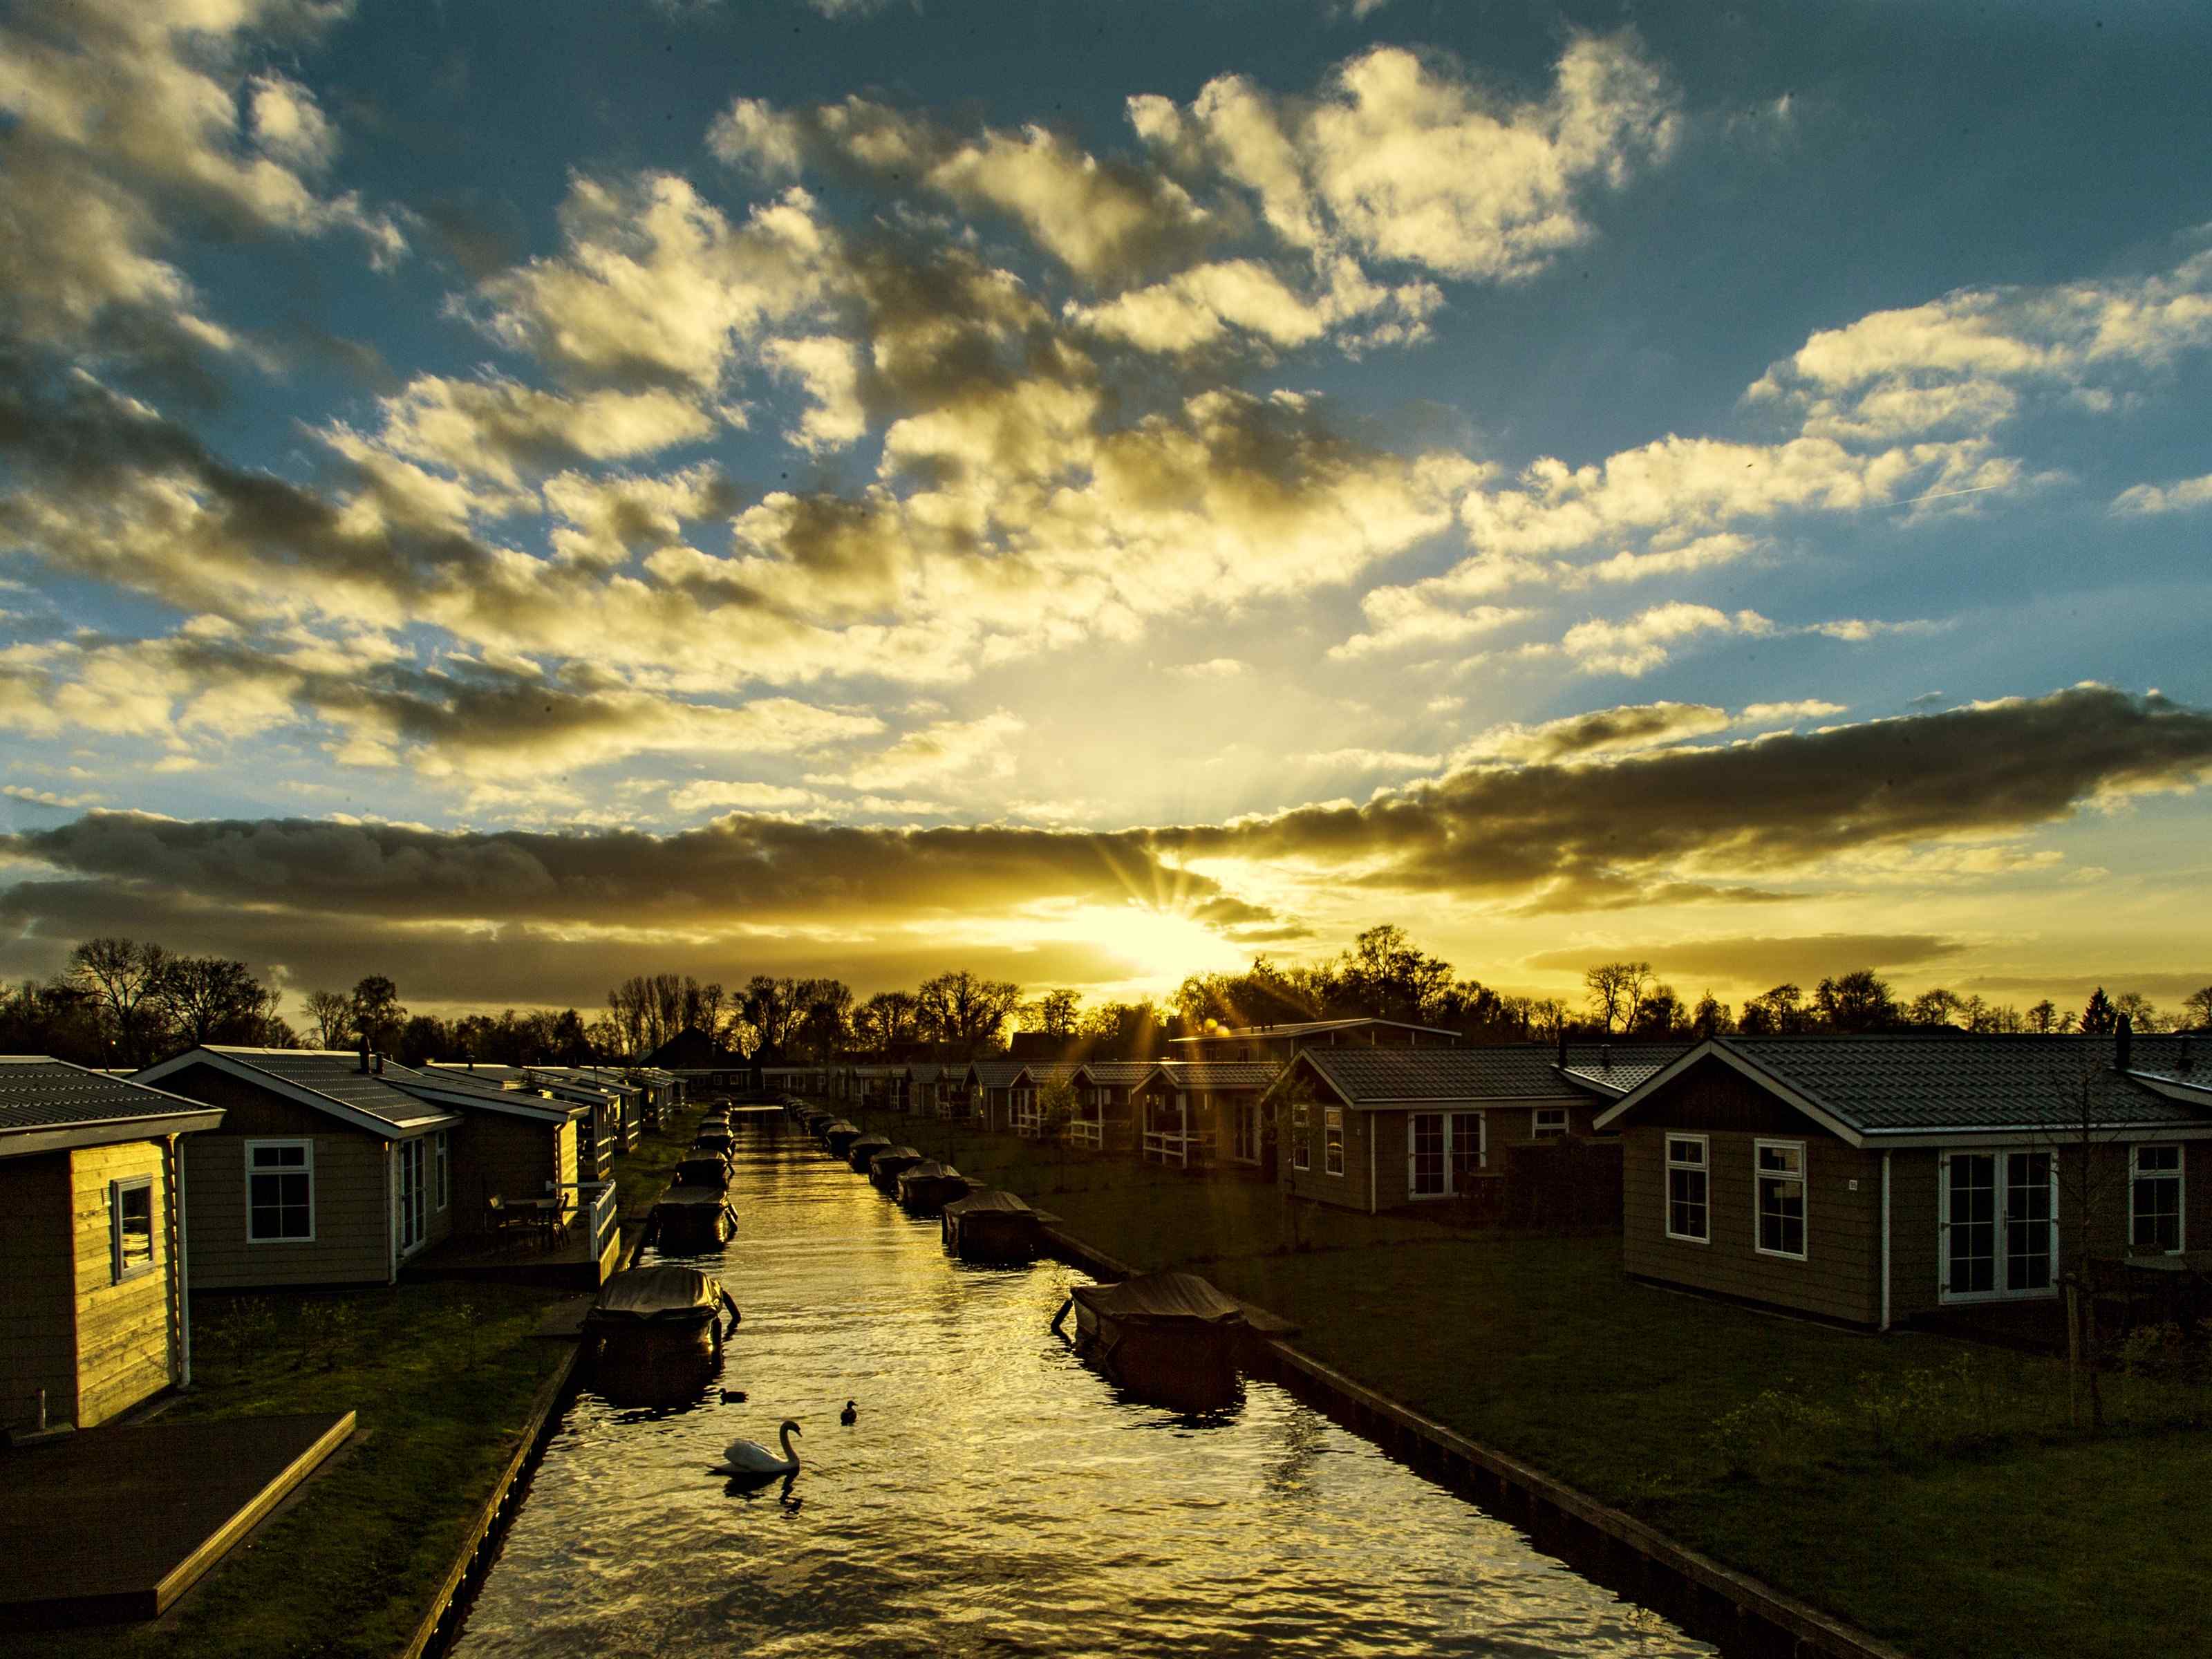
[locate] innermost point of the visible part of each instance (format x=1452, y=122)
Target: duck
x=733, y=1396
x=750, y=1457
x=848, y=1416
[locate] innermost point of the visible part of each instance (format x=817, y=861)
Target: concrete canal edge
x=1732, y=1608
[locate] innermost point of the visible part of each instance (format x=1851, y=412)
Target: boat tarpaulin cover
x=991, y=1198
x=687, y=1197
x=930, y=1170
x=1160, y=1297
x=662, y=1292
x=869, y=1145
x=891, y=1152
x=708, y=1172
x=842, y=1125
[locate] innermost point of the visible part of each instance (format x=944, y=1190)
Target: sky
x=508, y=496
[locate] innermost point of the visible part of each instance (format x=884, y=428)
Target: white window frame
x=1332, y=1140
x=1301, y=1136
x=1449, y=1119
x=1540, y=1130
x=2179, y=1173
x=1999, y=1291
x=416, y=1152
x=1760, y=1177
x=442, y=1172
x=118, y=1269
x=1704, y=1167
x=306, y=1167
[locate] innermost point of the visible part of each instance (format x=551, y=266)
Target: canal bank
x=1810, y=1459
x=995, y=1493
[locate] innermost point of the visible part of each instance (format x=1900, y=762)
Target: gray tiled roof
x=1386, y=1076
x=925, y=1071
x=1895, y=1084
x=1118, y=1071
x=996, y=1073
x=1050, y=1071
x=39, y=1093
x=1223, y=1073
x=337, y=1076
x=477, y=1084
x=1615, y=1069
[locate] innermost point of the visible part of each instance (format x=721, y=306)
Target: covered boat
x=686, y=1220
x=928, y=1187
x=712, y=1172
x=841, y=1135
x=991, y=1225
x=654, y=1333
x=883, y=1169
x=713, y=1142
x=865, y=1147
x=1169, y=1338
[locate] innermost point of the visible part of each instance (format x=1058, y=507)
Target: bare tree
x=1054, y=1014
x=214, y=997
x=332, y=1014
x=127, y=980
x=1617, y=990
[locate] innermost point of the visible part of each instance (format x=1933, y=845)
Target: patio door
x=2000, y=1225
x=1247, y=1130
x=412, y=1189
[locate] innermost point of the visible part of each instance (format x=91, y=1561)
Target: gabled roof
x=1220, y=1073
x=329, y=1080
x=1049, y=1070
x=588, y=1077
x=995, y=1073
x=48, y=1104
x=924, y=1071
x=2173, y=1065
x=473, y=1092
x=1309, y=1027
x=1117, y=1071
x=1612, y=1069
x=1370, y=1079
x=1875, y=1089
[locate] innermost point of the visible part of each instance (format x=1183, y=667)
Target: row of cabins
x=1868, y=1179
x=277, y=1167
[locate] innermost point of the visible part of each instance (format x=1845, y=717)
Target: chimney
x=2187, y=1057
x=1563, y=1045
x=1605, y=1056
x=364, y=1056
x=2124, y=1043
x=469, y=1055
x=377, y=1057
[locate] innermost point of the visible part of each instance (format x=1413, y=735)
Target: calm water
x=996, y=1497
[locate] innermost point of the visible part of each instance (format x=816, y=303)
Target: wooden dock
x=114, y=1524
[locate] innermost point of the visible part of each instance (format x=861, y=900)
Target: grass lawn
x=1928, y=1490
x=443, y=1378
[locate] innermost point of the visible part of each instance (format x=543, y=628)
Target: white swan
x=750, y=1457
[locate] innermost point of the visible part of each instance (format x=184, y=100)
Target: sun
x=1161, y=947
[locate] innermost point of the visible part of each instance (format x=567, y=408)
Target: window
x=2154, y=1199
x=279, y=1192
x=1551, y=1123
x=130, y=1226
x=1781, y=1171
x=1301, y=1136
x=1332, y=1141
x=441, y=1164
x=1687, y=1217
x=1443, y=1151
x=1999, y=1224
x=412, y=1193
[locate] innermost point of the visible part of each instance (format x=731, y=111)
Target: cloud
x=1402, y=617
x=936, y=754
x=1213, y=668
x=1365, y=760
x=1601, y=734
x=1753, y=959
x=496, y=427
x=1643, y=642
x=2190, y=495
x=1780, y=714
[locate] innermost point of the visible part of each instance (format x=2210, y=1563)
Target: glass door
x=2001, y=1234
x=1425, y=1154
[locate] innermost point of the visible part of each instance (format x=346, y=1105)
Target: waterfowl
x=750, y=1457
x=848, y=1416
x=733, y=1396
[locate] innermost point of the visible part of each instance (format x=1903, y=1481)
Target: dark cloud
x=1750, y=959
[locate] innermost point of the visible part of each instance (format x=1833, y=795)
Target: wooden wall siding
x=1841, y=1277
x=1713, y=1094
x=1349, y=1189
x=1512, y=1125
x=353, y=1221
x=125, y=1345
x=38, y=1270
x=511, y=1157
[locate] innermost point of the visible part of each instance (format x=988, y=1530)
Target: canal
x=995, y=1496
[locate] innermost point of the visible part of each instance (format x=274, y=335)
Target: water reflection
x=995, y=1494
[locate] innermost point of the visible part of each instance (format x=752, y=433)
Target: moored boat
x=688, y=1220
x=991, y=1225
x=1169, y=1338
x=653, y=1333
x=865, y=1147
x=841, y=1135
x=884, y=1168
x=712, y=1143
x=928, y=1187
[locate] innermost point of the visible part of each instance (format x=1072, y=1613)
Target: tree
x=216, y=999
x=1858, y=1001
x=2196, y=1009
x=2139, y=1012
x=2099, y=1018
x=1056, y=1111
x=376, y=1016
x=1659, y=1014
x=1779, y=1013
x=127, y=981
x=1385, y=976
x=1711, y=1017
x=332, y=1012
x=2044, y=1018
x=1933, y=1007
x=1054, y=1014
x=962, y=1009
x=1616, y=992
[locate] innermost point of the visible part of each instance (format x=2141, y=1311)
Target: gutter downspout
x=1884, y=1240
x=182, y=1264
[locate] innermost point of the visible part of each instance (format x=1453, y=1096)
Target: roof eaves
x=1718, y=1049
